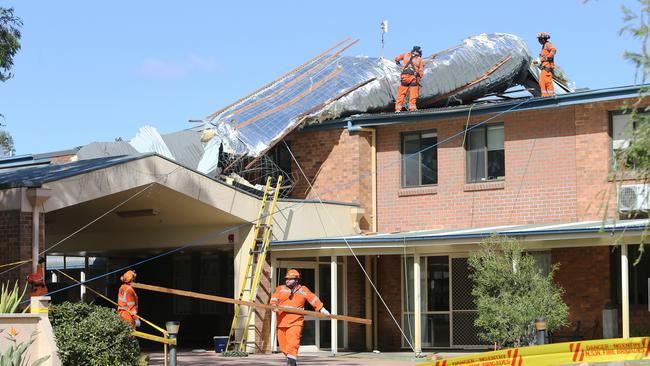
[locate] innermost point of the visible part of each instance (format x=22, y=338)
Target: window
x=485, y=154
x=281, y=157
x=434, y=301
x=621, y=132
x=419, y=159
x=638, y=276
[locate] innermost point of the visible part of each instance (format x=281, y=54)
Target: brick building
x=539, y=169
x=412, y=194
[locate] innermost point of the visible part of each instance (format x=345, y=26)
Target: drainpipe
x=36, y=197
x=373, y=167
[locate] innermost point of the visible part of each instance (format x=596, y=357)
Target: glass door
x=308, y=273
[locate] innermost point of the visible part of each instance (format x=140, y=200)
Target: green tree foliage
x=9, y=41
x=511, y=291
x=9, y=45
x=92, y=335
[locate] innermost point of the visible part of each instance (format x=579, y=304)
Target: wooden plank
x=215, y=114
x=228, y=300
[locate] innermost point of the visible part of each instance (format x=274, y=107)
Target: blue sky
x=93, y=72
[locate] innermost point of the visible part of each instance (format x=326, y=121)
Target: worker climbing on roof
x=36, y=280
x=127, y=300
x=410, y=78
x=293, y=294
x=546, y=64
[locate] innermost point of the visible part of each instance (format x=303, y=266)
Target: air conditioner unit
x=634, y=197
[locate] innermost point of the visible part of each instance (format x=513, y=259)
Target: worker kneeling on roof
x=127, y=300
x=293, y=295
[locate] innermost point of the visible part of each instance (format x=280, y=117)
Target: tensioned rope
x=365, y=273
x=136, y=194
x=212, y=235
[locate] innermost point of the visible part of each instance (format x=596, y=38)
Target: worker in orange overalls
x=410, y=78
x=546, y=64
x=36, y=280
x=293, y=294
x=127, y=300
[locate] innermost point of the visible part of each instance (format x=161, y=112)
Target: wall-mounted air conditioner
x=634, y=197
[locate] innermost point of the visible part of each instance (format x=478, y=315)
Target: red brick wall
x=356, y=304
x=557, y=165
x=585, y=274
x=338, y=166
x=16, y=243
x=389, y=286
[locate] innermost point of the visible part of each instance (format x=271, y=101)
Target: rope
x=18, y=264
x=351, y=250
x=300, y=203
x=154, y=326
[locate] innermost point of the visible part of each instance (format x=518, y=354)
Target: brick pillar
x=263, y=316
x=389, y=286
x=585, y=276
x=16, y=244
x=356, y=304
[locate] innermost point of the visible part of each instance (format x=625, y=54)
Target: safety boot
x=291, y=362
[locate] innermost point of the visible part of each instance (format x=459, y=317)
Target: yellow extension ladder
x=254, y=267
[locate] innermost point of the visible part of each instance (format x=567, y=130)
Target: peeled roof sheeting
x=331, y=87
x=101, y=149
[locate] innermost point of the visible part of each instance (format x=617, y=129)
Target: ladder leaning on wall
x=238, y=337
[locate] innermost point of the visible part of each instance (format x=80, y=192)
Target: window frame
x=610, y=132
x=403, y=154
x=485, y=150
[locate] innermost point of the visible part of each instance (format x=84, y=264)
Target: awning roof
x=399, y=239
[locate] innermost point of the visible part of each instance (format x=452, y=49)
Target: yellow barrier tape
x=154, y=326
x=15, y=263
x=154, y=338
x=38, y=310
x=605, y=350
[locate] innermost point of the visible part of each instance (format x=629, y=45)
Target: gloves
x=324, y=311
x=137, y=323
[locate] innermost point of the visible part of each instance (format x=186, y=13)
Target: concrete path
x=321, y=358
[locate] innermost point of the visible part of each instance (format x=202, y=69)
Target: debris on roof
x=332, y=85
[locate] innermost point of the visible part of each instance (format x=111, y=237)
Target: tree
x=511, y=291
x=9, y=45
x=636, y=156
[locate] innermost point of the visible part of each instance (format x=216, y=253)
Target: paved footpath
x=343, y=359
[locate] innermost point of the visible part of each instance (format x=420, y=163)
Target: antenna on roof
x=384, y=30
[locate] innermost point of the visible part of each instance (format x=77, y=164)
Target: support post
x=625, y=293
x=82, y=288
x=334, y=306
x=368, y=301
x=36, y=197
x=274, y=319
x=417, y=309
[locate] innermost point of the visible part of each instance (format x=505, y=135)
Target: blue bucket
x=220, y=343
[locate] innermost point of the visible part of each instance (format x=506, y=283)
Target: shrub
x=511, y=292
x=92, y=335
x=10, y=298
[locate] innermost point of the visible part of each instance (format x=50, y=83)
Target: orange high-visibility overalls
x=127, y=304
x=290, y=324
x=547, y=65
x=409, y=80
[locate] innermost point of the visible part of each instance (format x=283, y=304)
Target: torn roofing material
x=331, y=86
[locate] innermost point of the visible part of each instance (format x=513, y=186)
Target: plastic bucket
x=220, y=343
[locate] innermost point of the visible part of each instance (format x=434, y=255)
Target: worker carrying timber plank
x=36, y=280
x=293, y=294
x=127, y=300
x=546, y=64
x=410, y=78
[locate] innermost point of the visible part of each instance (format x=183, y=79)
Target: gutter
x=400, y=240
x=559, y=100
